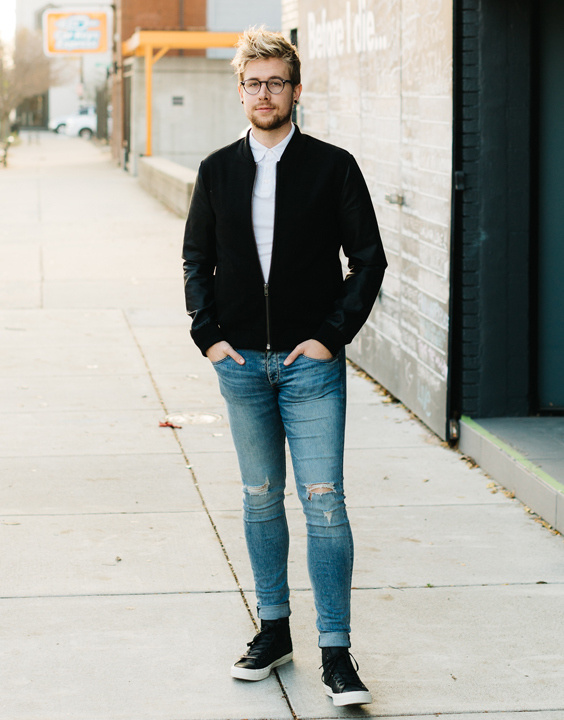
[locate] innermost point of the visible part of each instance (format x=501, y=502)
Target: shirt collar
x=260, y=150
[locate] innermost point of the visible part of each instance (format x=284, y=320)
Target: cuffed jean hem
x=274, y=612
x=334, y=639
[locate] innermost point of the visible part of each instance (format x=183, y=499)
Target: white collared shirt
x=264, y=196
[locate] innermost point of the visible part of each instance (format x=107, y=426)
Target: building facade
x=455, y=113
x=377, y=78
x=196, y=107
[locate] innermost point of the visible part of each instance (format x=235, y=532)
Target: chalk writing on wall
x=354, y=32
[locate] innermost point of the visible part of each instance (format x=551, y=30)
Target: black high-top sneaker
x=340, y=678
x=269, y=649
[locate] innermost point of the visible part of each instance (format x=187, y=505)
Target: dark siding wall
x=466, y=357
x=490, y=371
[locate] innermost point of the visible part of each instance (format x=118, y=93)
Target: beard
x=274, y=122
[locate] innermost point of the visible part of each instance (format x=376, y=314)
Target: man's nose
x=264, y=92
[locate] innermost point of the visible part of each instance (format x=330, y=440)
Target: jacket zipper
x=265, y=285
x=267, y=300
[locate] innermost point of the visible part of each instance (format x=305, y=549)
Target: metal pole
x=148, y=98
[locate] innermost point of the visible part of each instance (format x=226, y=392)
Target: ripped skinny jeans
x=305, y=403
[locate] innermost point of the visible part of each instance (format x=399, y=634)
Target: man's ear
x=297, y=93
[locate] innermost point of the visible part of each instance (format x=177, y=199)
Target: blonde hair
x=259, y=44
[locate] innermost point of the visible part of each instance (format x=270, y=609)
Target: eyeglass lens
x=274, y=85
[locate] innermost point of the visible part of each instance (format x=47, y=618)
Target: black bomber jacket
x=322, y=205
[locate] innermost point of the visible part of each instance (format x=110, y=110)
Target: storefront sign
x=75, y=31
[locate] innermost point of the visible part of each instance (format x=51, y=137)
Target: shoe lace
x=261, y=640
x=341, y=664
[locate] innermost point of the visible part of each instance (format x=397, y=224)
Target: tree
x=26, y=73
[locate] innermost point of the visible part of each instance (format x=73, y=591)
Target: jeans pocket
x=320, y=360
x=220, y=362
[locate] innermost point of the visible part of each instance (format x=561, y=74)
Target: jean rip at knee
x=321, y=488
x=258, y=489
x=324, y=506
x=262, y=503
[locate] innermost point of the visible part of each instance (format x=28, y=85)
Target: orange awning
x=153, y=44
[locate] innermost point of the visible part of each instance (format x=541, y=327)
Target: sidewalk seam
x=41, y=277
x=294, y=590
x=462, y=714
x=206, y=509
x=117, y=594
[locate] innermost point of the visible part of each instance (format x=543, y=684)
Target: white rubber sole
x=359, y=697
x=254, y=675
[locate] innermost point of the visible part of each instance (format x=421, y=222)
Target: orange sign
x=75, y=32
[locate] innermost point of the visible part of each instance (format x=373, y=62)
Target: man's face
x=266, y=110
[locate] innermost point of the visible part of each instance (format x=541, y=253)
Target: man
x=270, y=309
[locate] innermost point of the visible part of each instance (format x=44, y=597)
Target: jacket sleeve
x=362, y=245
x=199, y=256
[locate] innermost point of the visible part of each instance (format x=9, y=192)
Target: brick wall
x=468, y=142
x=162, y=15
x=492, y=261
x=378, y=81
x=290, y=15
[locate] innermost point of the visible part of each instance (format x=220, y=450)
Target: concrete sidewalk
x=124, y=583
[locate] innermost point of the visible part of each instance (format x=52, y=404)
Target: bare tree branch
x=26, y=74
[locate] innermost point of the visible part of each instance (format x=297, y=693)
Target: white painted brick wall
x=290, y=15
x=389, y=102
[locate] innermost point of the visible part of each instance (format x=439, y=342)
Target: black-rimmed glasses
x=273, y=85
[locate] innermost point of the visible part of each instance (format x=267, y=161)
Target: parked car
x=82, y=123
x=58, y=124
